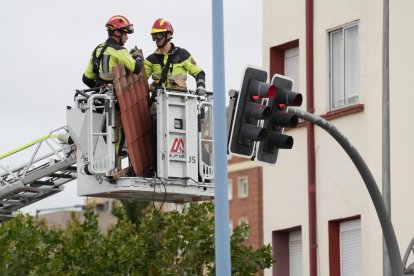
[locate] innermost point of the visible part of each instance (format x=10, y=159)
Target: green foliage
x=134, y=210
x=169, y=243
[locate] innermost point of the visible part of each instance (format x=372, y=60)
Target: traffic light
x=268, y=148
x=248, y=111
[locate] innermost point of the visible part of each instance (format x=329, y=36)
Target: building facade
x=317, y=212
x=245, y=190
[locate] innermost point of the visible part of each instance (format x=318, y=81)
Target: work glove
x=136, y=53
x=201, y=91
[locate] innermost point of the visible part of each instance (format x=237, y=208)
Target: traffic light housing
x=268, y=148
x=249, y=111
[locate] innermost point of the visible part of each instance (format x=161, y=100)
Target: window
x=345, y=247
x=295, y=253
x=350, y=248
x=343, y=66
x=230, y=189
x=243, y=187
x=292, y=66
x=231, y=226
x=287, y=250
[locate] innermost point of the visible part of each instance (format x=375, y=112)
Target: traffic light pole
x=383, y=215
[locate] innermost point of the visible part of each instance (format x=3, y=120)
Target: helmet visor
x=158, y=36
x=127, y=29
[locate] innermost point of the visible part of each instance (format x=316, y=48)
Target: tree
x=135, y=210
x=169, y=243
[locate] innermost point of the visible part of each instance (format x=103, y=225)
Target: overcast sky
x=46, y=46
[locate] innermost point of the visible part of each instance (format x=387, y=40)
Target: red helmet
x=161, y=25
x=120, y=23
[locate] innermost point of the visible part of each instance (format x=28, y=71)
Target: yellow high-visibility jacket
x=114, y=54
x=181, y=65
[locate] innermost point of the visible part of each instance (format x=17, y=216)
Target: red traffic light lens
x=271, y=91
x=259, y=90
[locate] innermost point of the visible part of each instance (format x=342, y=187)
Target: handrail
x=28, y=145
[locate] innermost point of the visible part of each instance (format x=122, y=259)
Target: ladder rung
x=60, y=175
x=39, y=183
x=70, y=169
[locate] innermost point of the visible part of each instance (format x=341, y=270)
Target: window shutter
x=295, y=253
x=350, y=248
x=292, y=66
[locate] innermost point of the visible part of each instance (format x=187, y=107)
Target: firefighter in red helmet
x=106, y=56
x=112, y=52
x=169, y=64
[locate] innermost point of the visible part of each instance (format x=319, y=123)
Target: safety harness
x=96, y=60
x=164, y=73
x=165, y=67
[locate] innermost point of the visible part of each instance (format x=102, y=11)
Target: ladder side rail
x=44, y=172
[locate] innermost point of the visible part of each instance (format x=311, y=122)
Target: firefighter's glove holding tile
x=136, y=53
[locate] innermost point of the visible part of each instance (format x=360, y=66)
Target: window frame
x=346, y=94
x=334, y=234
x=239, y=190
x=230, y=189
x=281, y=246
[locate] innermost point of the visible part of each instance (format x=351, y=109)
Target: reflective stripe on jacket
x=181, y=65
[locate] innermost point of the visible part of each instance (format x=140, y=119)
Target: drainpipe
x=386, y=164
x=310, y=127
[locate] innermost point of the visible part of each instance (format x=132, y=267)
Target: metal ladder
x=51, y=165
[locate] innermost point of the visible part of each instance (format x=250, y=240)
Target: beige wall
x=340, y=189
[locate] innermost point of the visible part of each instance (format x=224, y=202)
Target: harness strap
x=165, y=67
x=96, y=60
x=164, y=73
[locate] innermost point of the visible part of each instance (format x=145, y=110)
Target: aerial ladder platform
x=115, y=148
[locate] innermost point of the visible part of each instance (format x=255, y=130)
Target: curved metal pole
x=383, y=215
x=407, y=253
